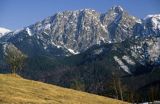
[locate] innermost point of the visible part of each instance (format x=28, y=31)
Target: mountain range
x=73, y=32
x=83, y=49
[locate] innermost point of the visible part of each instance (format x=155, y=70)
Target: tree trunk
x=115, y=87
x=120, y=89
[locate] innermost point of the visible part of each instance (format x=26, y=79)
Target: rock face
x=76, y=31
x=73, y=32
x=119, y=24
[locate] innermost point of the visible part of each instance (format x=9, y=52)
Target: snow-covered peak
x=3, y=31
x=117, y=9
x=88, y=10
x=153, y=16
x=154, y=20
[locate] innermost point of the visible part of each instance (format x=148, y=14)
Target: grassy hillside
x=16, y=90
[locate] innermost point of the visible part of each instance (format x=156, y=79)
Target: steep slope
x=134, y=61
x=119, y=24
x=16, y=90
x=73, y=32
x=92, y=71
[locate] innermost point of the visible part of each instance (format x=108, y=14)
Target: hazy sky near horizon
x=15, y=14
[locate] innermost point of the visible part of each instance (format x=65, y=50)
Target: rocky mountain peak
x=76, y=31
x=117, y=9
x=152, y=25
x=153, y=21
x=87, y=10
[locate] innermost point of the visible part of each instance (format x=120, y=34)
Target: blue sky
x=15, y=14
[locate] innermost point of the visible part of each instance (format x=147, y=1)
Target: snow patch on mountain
x=122, y=65
x=69, y=49
x=3, y=31
x=58, y=46
x=128, y=60
x=72, y=51
x=48, y=26
x=29, y=31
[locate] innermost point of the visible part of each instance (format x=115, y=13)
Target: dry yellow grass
x=16, y=90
